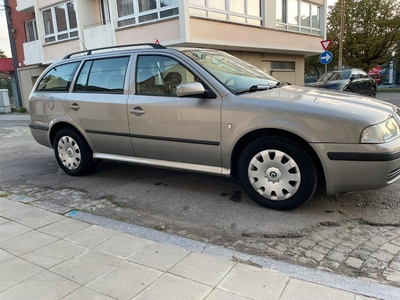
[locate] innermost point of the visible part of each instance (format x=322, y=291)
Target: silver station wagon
x=206, y=111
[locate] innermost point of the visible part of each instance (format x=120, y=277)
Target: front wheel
x=72, y=152
x=372, y=93
x=277, y=173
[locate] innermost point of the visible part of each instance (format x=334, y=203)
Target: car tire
x=373, y=92
x=72, y=152
x=277, y=172
x=348, y=90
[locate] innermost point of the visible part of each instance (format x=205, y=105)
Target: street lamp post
x=340, y=66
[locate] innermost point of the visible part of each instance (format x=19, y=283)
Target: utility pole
x=341, y=36
x=14, y=74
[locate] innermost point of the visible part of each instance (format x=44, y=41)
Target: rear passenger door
x=98, y=103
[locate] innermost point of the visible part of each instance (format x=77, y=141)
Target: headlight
x=380, y=133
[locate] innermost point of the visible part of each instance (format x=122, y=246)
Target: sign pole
x=341, y=36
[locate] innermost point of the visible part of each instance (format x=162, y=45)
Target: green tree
x=2, y=54
x=371, y=31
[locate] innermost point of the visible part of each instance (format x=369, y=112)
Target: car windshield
x=234, y=73
x=336, y=75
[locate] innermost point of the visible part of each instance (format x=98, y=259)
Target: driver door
x=166, y=127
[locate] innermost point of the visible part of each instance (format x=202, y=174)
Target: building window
x=131, y=12
x=283, y=65
x=60, y=22
x=238, y=11
x=300, y=16
x=31, y=31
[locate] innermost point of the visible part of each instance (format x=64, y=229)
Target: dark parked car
x=350, y=80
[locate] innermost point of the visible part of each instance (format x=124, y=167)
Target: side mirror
x=352, y=77
x=190, y=89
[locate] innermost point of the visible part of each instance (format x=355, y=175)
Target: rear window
x=58, y=78
x=102, y=76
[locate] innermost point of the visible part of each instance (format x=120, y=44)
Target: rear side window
x=58, y=78
x=102, y=76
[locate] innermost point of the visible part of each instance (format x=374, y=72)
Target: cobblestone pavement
x=355, y=249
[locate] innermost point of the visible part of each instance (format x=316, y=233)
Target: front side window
x=102, y=76
x=237, y=11
x=161, y=75
x=60, y=22
x=297, y=15
x=132, y=12
x=58, y=78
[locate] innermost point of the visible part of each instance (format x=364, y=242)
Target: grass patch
x=22, y=110
x=4, y=195
x=110, y=197
x=160, y=227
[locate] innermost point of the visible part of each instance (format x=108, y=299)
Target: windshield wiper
x=254, y=88
x=261, y=87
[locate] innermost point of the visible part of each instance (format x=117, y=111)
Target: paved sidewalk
x=46, y=255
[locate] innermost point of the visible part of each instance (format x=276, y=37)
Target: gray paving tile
x=218, y=294
x=39, y=219
x=159, y=256
x=259, y=283
x=3, y=220
x=19, y=212
x=64, y=228
x=26, y=242
x=92, y=236
x=123, y=245
x=125, y=281
x=87, y=266
x=313, y=291
x=203, y=268
x=16, y=270
x=6, y=204
x=45, y=286
x=12, y=229
x=85, y=293
x=170, y=287
x=5, y=256
x=54, y=253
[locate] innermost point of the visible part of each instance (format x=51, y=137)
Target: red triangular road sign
x=157, y=41
x=326, y=44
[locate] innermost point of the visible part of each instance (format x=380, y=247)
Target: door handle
x=74, y=106
x=137, y=111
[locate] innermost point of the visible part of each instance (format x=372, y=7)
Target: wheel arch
x=63, y=125
x=251, y=136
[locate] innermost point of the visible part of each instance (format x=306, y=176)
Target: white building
x=274, y=35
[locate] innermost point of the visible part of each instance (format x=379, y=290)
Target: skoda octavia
x=206, y=111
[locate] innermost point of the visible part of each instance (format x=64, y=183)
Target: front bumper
x=357, y=167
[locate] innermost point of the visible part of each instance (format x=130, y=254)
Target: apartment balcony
x=33, y=53
x=98, y=36
x=26, y=6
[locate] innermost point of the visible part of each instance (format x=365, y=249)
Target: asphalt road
x=208, y=206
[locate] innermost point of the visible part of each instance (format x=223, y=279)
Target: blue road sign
x=325, y=57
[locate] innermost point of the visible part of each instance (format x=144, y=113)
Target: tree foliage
x=2, y=54
x=371, y=31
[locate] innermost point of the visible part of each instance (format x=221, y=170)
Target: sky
x=4, y=40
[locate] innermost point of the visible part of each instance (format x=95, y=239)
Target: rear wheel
x=72, y=152
x=277, y=173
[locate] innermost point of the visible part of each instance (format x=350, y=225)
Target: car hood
x=328, y=103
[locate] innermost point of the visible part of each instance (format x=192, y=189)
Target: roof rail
x=89, y=52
